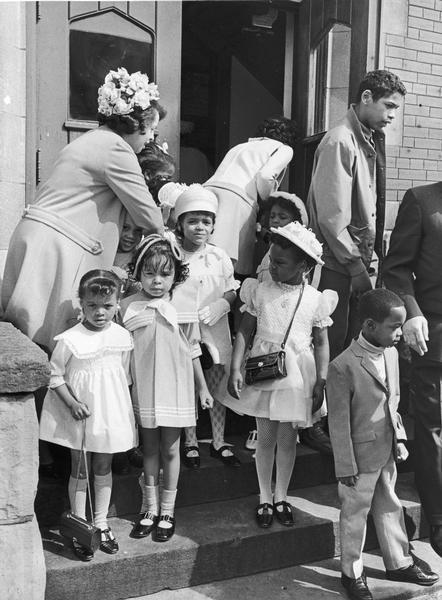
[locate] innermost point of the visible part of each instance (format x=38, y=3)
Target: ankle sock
x=103, y=490
x=168, y=498
x=77, y=498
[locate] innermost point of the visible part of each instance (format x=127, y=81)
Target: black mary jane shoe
x=191, y=462
x=284, y=516
x=229, y=459
x=82, y=552
x=264, y=518
x=146, y=523
x=163, y=534
x=108, y=542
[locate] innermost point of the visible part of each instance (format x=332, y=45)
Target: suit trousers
x=426, y=380
x=373, y=491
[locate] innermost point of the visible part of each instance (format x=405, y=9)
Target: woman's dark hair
x=285, y=244
x=137, y=120
x=99, y=282
x=161, y=256
x=377, y=304
x=285, y=205
x=279, y=128
x=381, y=83
x=157, y=166
x=179, y=224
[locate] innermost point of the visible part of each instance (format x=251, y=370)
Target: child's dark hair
x=377, y=304
x=99, y=282
x=157, y=166
x=285, y=244
x=285, y=204
x=161, y=255
x=381, y=83
x=279, y=128
x=179, y=224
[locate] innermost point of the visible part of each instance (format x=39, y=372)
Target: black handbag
x=272, y=365
x=76, y=528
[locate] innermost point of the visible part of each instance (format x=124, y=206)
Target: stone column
x=23, y=369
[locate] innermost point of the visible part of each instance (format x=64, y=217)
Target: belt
x=65, y=227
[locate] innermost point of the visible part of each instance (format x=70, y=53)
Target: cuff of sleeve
x=56, y=382
x=356, y=267
x=412, y=306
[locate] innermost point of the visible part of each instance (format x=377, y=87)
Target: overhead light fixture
x=262, y=24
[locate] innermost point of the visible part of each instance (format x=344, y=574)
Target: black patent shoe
x=264, y=518
x=191, y=462
x=108, y=542
x=436, y=538
x=284, y=516
x=163, y=534
x=413, y=574
x=356, y=589
x=146, y=523
x=226, y=455
x=82, y=552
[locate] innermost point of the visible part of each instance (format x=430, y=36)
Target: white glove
x=415, y=332
x=213, y=312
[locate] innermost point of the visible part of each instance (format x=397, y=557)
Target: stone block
x=18, y=458
x=22, y=567
x=24, y=366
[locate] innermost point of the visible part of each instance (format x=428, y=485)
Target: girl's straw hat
x=194, y=199
x=302, y=237
x=296, y=201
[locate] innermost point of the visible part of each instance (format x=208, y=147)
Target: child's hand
x=318, y=395
x=80, y=411
x=402, y=452
x=213, y=312
x=206, y=399
x=235, y=384
x=348, y=481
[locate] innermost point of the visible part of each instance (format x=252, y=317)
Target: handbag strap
x=83, y=455
x=293, y=316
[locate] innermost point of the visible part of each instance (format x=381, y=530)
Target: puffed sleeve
x=248, y=295
x=326, y=305
x=230, y=282
x=59, y=359
x=193, y=335
x=123, y=175
x=268, y=178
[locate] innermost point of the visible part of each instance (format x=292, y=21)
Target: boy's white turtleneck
x=376, y=354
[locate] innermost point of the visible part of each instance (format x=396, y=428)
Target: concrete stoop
x=213, y=541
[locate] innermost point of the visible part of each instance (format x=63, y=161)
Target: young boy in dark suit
x=367, y=436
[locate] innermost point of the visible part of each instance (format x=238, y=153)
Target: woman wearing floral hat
x=75, y=222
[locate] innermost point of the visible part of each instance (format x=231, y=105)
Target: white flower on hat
x=168, y=194
x=122, y=92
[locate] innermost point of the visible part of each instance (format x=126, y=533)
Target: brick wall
x=416, y=56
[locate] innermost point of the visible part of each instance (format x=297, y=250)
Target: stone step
x=214, y=541
x=211, y=483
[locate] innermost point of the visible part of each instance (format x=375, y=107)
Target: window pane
x=91, y=56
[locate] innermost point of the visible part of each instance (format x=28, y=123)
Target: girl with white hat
x=206, y=296
x=287, y=314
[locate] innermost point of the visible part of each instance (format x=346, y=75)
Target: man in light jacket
x=346, y=204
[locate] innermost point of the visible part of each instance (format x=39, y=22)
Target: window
x=329, y=79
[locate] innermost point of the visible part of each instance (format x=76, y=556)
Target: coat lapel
x=367, y=363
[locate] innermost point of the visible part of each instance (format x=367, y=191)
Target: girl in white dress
x=164, y=365
x=88, y=404
x=282, y=405
x=206, y=297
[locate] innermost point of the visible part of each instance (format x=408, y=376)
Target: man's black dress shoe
x=436, y=538
x=191, y=462
x=356, y=589
x=146, y=523
x=162, y=534
x=316, y=438
x=413, y=574
x=284, y=516
x=226, y=455
x=82, y=552
x=264, y=518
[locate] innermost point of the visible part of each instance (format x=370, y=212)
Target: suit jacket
x=347, y=196
x=363, y=419
x=412, y=265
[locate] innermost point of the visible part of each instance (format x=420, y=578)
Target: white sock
x=167, y=506
x=77, y=499
x=103, y=490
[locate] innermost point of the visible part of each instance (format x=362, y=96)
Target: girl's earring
x=80, y=315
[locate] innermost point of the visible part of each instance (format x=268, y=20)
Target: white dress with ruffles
x=288, y=399
x=94, y=365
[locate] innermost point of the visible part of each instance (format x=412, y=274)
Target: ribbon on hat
x=155, y=238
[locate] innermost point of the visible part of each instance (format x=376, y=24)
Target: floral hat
x=302, y=237
x=122, y=92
